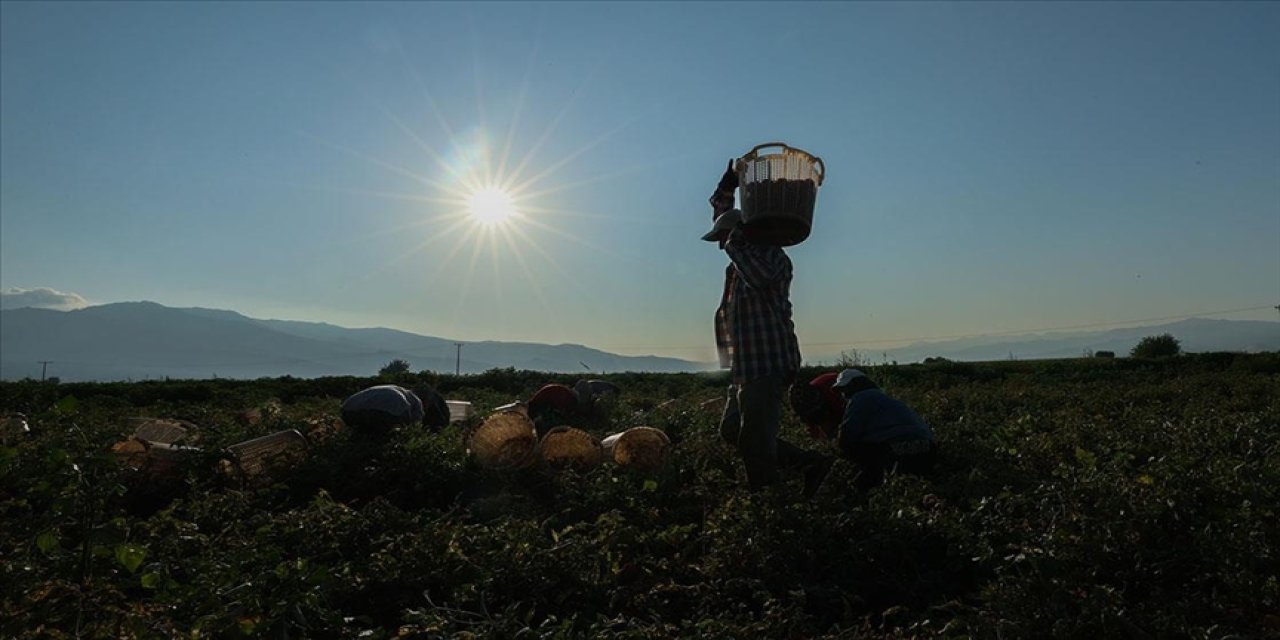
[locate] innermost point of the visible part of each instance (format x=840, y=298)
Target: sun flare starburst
x=481, y=195
x=491, y=205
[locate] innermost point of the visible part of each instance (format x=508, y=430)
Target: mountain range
x=141, y=340
x=1194, y=334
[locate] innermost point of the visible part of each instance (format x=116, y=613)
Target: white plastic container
x=459, y=410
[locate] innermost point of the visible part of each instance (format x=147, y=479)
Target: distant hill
x=139, y=340
x=1195, y=335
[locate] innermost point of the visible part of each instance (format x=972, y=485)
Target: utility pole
x=457, y=365
x=44, y=366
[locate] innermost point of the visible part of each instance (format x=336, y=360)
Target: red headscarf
x=832, y=404
x=554, y=396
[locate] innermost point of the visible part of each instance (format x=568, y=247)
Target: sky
x=992, y=167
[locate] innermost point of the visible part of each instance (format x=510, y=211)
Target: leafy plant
x=1161, y=346
x=1078, y=497
x=395, y=367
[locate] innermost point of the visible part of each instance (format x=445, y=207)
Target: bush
x=395, y=367
x=1161, y=346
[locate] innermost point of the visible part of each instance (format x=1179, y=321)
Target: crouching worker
x=557, y=404
x=818, y=406
x=880, y=433
x=378, y=410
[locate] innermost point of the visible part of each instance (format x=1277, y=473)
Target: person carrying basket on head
x=756, y=341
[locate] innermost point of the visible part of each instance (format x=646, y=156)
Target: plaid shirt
x=754, y=332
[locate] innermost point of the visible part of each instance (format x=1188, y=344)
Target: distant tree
x=851, y=358
x=1104, y=354
x=1161, y=346
x=395, y=367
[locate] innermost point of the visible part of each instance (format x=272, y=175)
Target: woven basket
x=711, y=403
x=160, y=461
x=640, y=448
x=504, y=440
x=13, y=425
x=253, y=459
x=517, y=406
x=163, y=430
x=569, y=447
x=322, y=427
x=778, y=190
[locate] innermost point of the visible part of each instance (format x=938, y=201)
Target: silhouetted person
x=818, y=405
x=378, y=410
x=880, y=433
x=557, y=404
x=756, y=341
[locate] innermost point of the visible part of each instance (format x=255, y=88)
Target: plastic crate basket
x=778, y=188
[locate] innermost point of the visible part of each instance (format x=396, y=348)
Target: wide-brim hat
x=723, y=225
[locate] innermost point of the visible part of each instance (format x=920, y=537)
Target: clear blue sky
x=992, y=167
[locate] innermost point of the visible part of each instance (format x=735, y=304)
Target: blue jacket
x=873, y=417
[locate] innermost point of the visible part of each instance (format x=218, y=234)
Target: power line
x=702, y=347
x=1093, y=325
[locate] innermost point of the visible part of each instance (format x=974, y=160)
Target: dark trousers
x=751, y=420
x=875, y=460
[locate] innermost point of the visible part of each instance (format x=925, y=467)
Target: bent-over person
x=377, y=410
x=880, y=433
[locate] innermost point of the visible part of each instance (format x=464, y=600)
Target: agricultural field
x=1108, y=498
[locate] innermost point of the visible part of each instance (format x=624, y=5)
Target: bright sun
x=491, y=206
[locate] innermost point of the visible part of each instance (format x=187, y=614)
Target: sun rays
x=491, y=200
x=491, y=206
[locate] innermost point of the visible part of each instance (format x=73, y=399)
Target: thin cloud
x=41, y=298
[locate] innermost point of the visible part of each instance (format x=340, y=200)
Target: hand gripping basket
x=778, y=187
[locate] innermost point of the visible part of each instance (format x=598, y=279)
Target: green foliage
x=394, y=368
x=1161, y=346
x=1079, y=497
